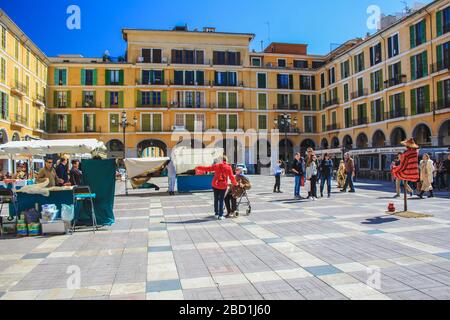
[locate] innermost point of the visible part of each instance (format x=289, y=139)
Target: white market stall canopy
x=138, y=166
x=384, y=150
x=40, y=147
x=329, y=151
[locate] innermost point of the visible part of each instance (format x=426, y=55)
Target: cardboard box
x=53, y=227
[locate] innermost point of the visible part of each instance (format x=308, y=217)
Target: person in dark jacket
x=326, y=171
x=62, y=172
x=76, y=176
x=297, y=169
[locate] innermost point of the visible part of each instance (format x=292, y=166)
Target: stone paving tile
x=284, y=295
x=313, y=288
x=441, y=293
x=322, y=270
x=409, y=295
x=202, y=294
x=163, y=285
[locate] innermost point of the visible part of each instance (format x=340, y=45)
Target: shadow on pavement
x=379, y=220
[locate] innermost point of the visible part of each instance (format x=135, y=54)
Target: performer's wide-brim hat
x=410, y=143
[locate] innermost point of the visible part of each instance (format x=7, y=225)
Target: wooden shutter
x=69, y=123
x=69, y=100
x=372, y=82
x=425, y=63
x=439, y=56
x=83, y=77
x=372, y=111
x=56, y=76
x=164, y=98
x=107, y=77
x=107, y=99
x=413, y=68
x=138, y=98
x=94, y=75
x=291, y=81
x=440, y=92
x=121, y=77
x=412, y=37
x=427, y=98
x=157, y=122
x=314, y=102
x=413, y=102
x=55, y=99
x=64, y=77
x=200, y=78
x=146, y=122
x=402, y=101
x=423, y=36
x=439, y=23
x=232, y=121
x=120, y=99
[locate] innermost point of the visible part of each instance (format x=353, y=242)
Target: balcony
x=21, y=120
x=140, y=82
x=39, y=125
x=141, y=105
x=288, y=129
x=88, y=104
x=439, y=66
x=360, y=93
x=236, y=106
x=394, y=114
x=228, y=84
x=398, y=79
x=286, y=107
x=205, y=62
x=441, y=104
x=306, y=107
x=196, y=84
x=188, y=106
x=61, y=105
x=332, y=127
x=329, y=103
x=88, y=130
x=39, y=100
x=360, y=121
x=18, y=88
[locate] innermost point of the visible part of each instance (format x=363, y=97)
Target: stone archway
x=378, y=139
x=324, y=143
x=362, y=141
x=15, y=137
x=290, y=150
x=305, y=144
x=115, y=148
x=444, y=134
x=151, y=148
x=335, y=142
x=397, y=136
x=347, y=142
x=422, y=135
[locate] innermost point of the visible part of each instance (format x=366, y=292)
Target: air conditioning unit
x=164, y=59
x=140, y=59
x=177, y=128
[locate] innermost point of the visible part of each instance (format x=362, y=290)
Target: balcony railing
x=88, y=130
x=441, y=104
x=141, y=82
x=141, y=105
x=199, y=84
x=398, y=79
x=330, y=103
x=88, y=104
x=20, y=119
x=40, y=99
x=199, y=63
x=306, y=107
x=18, y=88
x=285, y=107
x=332, y=127
x=228, y=84
x=360, y=93
x=189, y=106
x=288, y=129
x=61, y=105
x=393, y=114
x=236, y=106
x=439, y=66
x=360, y=121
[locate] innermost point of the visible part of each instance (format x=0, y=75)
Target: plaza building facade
x=367, y=93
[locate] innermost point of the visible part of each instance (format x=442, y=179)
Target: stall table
x=194, y=183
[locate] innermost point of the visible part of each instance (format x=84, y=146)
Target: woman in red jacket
x=222, y=172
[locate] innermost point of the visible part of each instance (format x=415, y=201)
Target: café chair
x=82, y=194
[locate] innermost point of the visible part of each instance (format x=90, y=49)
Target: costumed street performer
x=408, y=169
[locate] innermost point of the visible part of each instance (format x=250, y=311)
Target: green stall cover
x=99, y=175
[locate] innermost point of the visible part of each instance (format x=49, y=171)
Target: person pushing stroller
x=235, y=192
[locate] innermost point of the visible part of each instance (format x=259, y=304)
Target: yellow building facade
x=368, y=93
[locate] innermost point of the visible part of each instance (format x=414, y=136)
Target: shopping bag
x=67, y=212
x=302, y=181
x=308, y=185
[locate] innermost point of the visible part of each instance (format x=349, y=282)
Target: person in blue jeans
x=325, y=169
x=277, y=170
x=297, y=169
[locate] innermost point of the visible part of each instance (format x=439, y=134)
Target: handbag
x=302, y=181
x=308, y=185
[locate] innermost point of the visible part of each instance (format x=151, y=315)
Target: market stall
x=141, y=170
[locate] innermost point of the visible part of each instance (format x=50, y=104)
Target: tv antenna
x=406, y=8
x=268, y=31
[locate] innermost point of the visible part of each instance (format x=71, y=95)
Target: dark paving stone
x=163, y=285
x=36, y=255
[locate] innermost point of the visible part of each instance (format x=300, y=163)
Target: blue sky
x=317, y=23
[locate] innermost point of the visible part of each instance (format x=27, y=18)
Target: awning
x=384, y=150
x=35, y=147
x=329, y=151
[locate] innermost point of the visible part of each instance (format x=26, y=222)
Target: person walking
x=326, y=171
x=297, y=169
x=341, y=175
x=399, y=182
x=278, y=171
x=349, y=173
x=222, y=172
x=311, y=175
x=447, y=171
x=426, y=169
x=172, y=177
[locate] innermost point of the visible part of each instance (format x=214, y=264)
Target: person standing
x=349, y=173
x=297, y=169
x=48, y=172
x=447, y=171
x=426, y=168
x=277, y=170
x=222, y=172
x=398, y=182
x=76, y=175
x=311, y=175
x=172, y=177
x=326, y=171
x=235, y=192
x=341, y=175
x=62, y=172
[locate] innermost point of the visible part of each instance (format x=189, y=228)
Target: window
x=190, y=121
x=60, y=77
x=417, y=34
x=322, y=80
x=114, y=77
x=114, y=100
x=307, y=83
x=307, y=102
x=346, y=94
x=151, y=122
x=88, y=99
x=63, y=123
x=89, y=122
x=262, y=101
x=345, y=69
x=282, y=63
x=226, y=58
x=375, y=54
x=285, y=81
x=62, y=99
x=2, y=70
x=262, y=81
x=114, y=122
x=150, y=98
x=360, y=83
x=3, y=30
x=359, y=62
x=151, y=55
x=419, y=65
x=420, y=100
x=187, y=56
x=331, y=76
x=256, y=62
x=152, y=77
x=376, y=81
x=317, y=64
x=262, y=122
x=443, y=94
x=443, y=56
x=310, y=124
x=443, y=21
x=324, y=123
x=227, y=122
x=348, y=117
x=228, y=79
x=16, y=48
x=393, y=47
x=377, y=110
x=395, y=74
x=4, y=106
x=190, y=99
x=27, y=85
x=302, y=64
x=362, y=114
x=283, y=101
x=397, y=105
x=88, y=77
x=227, y=100
x=27, y=58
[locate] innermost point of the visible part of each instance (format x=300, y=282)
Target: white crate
x=49, y=227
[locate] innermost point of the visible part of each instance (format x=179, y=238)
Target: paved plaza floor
x=169, y=247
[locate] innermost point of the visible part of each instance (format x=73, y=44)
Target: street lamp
x=285, y=123
x=124, y=123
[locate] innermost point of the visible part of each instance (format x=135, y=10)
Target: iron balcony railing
x=20, y=119
x=141, y=82
x=40, y=125
x=396, y=80
x=360, y=121
x=85, y=129
x=19, y=87
x=150, y=105
x=332, y=127
x=288, y=129
x=88, y=104
x=40, y=98
x=235, y=106
x=330, y=103
x=196, y=83
x=189, y=106
x=440, y=65
x=227, y=84
x=396, y=113
x=285, y=107
x=441, y=103
x=359, y=93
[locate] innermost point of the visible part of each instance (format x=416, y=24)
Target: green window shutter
x=222, y=122
x=439, y=56
x=372, y=111
x=382, y=109
x=427, y=98
x=164, y=98
x=139, y=98
x=413, y=102
x=69, y=123
x=232, y=100
x=120, y=99
x=439, y=23
x=232, y=121
x=390, y=71
x=157, y=122
x=94, y=122
x=412, y=37
x=56, y=76
x=48, y=122
x=146, y=122
x=372, y=82
x=440, y=90
x=314, y=102
x=189, y=122
x=95, y=98
x=345, y=92
x=94, y=81
x=391, y=103
x=114, y=123
x=355, y=64
x=413, y=68
x=425, y=63
x=83, y=77
x=69, y=105
x=324, y=124
x=107, y=77
x=402, y=101
x=107, y=99
x=55, y=99
x=423, y=36
x=121, y=77
x=64, y=75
